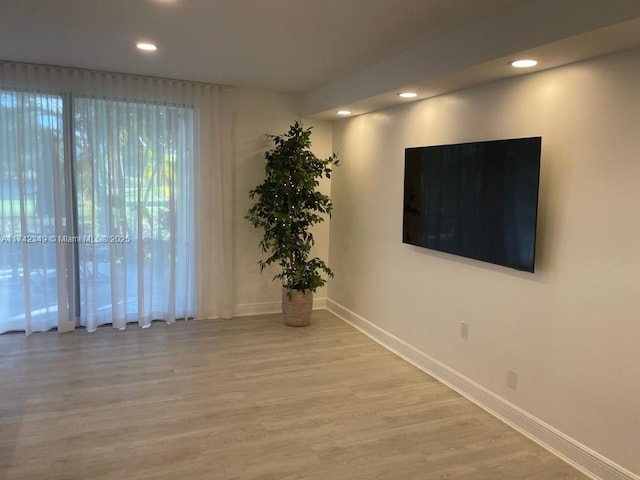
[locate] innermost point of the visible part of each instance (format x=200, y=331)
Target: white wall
x=258, y=113
x=571, y=330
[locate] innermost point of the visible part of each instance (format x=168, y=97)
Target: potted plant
x=287, y=205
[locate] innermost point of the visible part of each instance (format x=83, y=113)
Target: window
x=97, y=211
x=31, y=160
x=133, y=177
x=115, y=199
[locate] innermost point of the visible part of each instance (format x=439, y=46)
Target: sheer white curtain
x=33, y=195
x=115, y=196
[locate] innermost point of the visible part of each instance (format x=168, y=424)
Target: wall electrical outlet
x=464, y=330
x=512, y=380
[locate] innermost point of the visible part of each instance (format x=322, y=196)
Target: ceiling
x=335, y=53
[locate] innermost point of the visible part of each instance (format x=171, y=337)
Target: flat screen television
x=478, y=200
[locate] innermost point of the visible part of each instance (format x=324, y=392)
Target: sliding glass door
x=97, y=211
x=134, y=171
x=32, y=209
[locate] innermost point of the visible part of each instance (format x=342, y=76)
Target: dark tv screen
x=477, y=200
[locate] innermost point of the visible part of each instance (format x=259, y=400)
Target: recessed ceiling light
x=344, y=112
x=408, y=94
x=146, y=46
x=524, y=63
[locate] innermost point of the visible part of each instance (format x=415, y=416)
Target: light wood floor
x=242, y=399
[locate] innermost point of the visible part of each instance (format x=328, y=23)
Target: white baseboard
x=246, y=309
x=320, y=303
x=568, y=449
